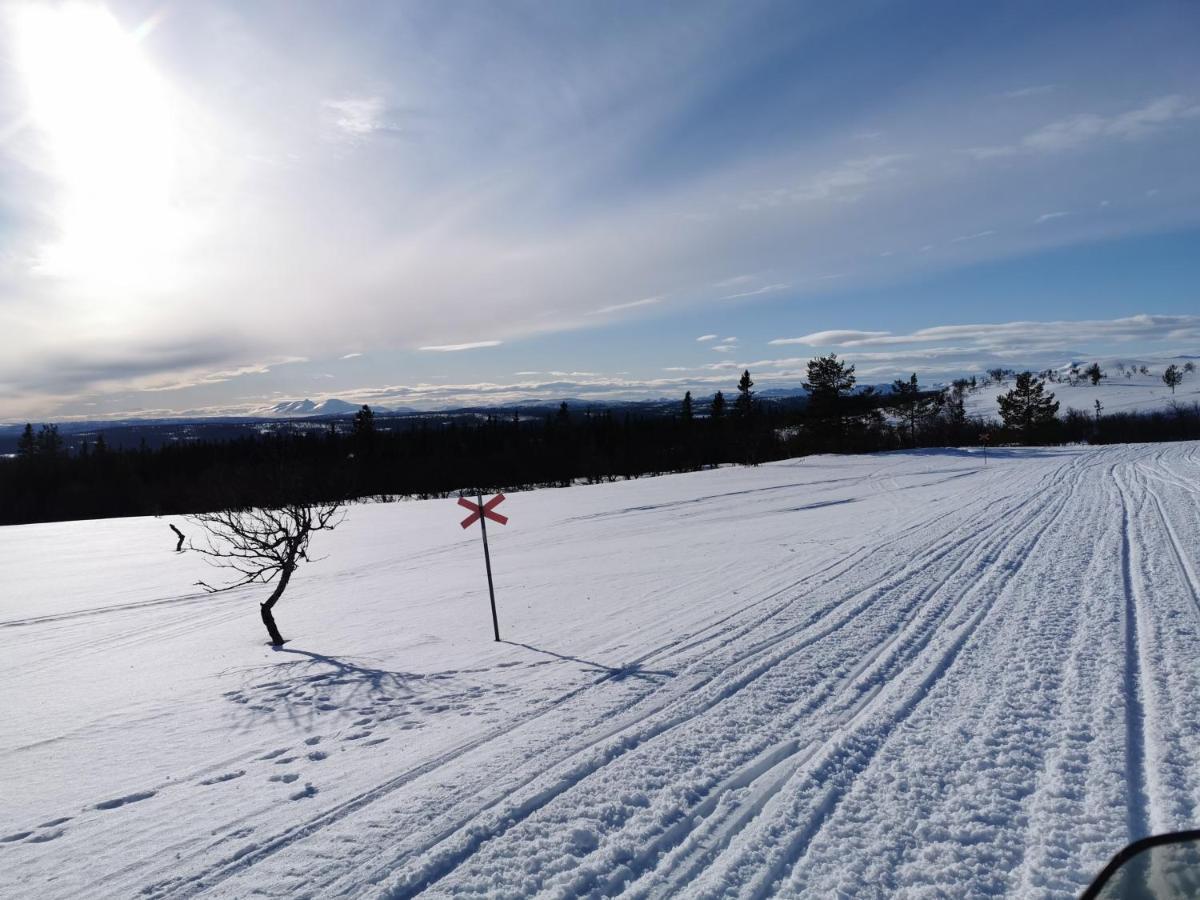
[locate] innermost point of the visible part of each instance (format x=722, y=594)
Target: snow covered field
x=1117, y=394
x=891, y=675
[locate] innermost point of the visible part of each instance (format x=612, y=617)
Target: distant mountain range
x=302, y=408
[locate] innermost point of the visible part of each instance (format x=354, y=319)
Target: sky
x=210, y=208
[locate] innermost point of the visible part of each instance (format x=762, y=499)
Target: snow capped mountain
x=300, y=408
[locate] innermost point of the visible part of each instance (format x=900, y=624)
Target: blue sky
x=213, y=207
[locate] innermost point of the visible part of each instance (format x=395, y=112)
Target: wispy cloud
x=707, y=337
x=616, y=307
x=1034, y=91
x=454, y=348
x=766, y=289
x=1080, y=129
x=1018, y=334
x=352, y=356
x=1046, y=217
x=972, y=237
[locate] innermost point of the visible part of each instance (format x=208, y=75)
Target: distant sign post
x=985, y=438
x=482, y=512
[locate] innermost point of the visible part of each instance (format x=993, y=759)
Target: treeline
x=46, y=482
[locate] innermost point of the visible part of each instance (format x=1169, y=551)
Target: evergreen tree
x=910, y=406
x=828, y=380
x=744, y=405
x=687, y=407
x=718, y=406
x=26, y=446
x=1094, y=373
x=1172, y=378
x=49, y=443
x=1027, y=409
x=564, y=414
x=1189, y=367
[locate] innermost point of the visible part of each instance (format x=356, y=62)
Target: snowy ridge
x=898, y=674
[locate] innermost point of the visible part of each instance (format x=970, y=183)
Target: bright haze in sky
x=210, y=207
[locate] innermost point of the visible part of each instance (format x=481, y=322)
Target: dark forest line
x=46, y=482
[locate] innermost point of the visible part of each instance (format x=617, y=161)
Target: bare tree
x=261, y=545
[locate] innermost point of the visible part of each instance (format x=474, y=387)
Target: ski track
x=985, y=696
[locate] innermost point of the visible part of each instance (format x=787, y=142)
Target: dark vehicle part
x=1161, y=867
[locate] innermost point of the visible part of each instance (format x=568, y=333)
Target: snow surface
x=893, y=675
x=1116, y=393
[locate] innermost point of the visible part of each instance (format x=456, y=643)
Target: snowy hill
x=298, y=408
x=893, y=674
x=1116, y=392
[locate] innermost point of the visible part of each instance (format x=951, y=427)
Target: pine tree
x=910, y=406
x=828, y=381
x=49, y=443
x=687, y=407
x=1027, y=409
x=1172, y=378
x=1094, y=373
x=718, y=406
x=744, y=405
x=26, y=446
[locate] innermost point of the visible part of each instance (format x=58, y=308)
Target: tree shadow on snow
x=611, y=673
x=315, y=685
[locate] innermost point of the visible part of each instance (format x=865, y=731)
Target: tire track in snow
x=244, y=857
x=1187, y=575
x=1135, y=716
x=845, y=757
x=1001, y=530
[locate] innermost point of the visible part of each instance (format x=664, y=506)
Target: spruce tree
x=1094, y=373
x=718, y=406
x=1027, y=409
x=687, y=407
x=1172, y=378
x=744, y=405
x=26, y=446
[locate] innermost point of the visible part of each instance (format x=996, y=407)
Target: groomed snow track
x=895, y=675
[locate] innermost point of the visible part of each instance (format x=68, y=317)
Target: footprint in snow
x=285, y=759
x=228, y=776
x=128, y=798
x=274, y=753
x=309, y=791
x=313, y=741
x=374, y=742
x=286, y=779
x=318, y=755
x=357, y=736
x=54, y=822
x=19, y=836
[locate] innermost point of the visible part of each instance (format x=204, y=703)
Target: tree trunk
x=268, y=619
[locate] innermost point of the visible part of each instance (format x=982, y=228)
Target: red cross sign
x=486, y=509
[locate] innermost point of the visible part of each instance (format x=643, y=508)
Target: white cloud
x=454, y=348
x=1009, y=335
x=707, y=337
x=1046, y=217
x=1034, y=91
x=645, y=301
x=1083, y=128
x=766, y=289
x=352, y=356
x=972, y=237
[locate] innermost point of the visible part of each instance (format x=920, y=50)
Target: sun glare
x=104, y=117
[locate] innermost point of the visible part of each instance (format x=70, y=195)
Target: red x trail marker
x=482, y=509
x=481, y=512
